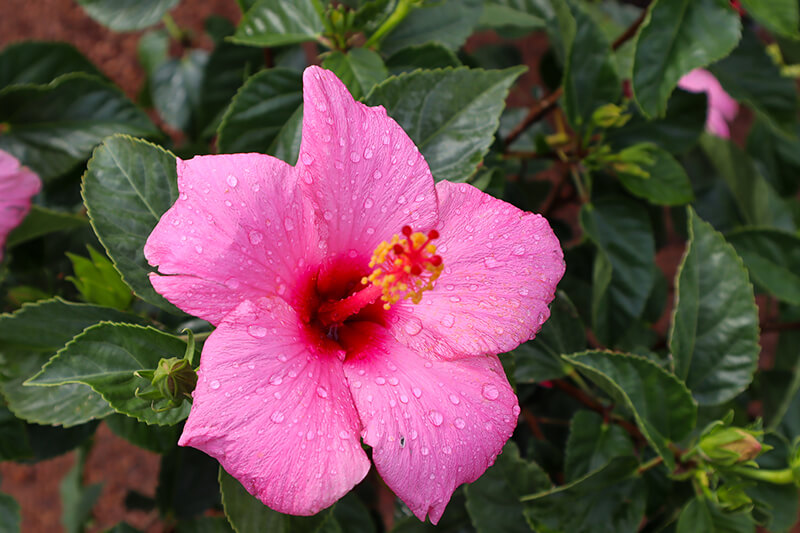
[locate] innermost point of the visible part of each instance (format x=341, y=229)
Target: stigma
x=405, y=266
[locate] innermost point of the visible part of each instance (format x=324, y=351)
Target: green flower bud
x=175, y=379
x=726, y=446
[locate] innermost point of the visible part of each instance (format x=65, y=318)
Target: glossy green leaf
x=714, y=334
x=749, y=75
x=98, y=282
x=780, y=16
x=623, y=273
x=105, y=357
x=773, y=259
x=286, y=145
x=77, y=107
x=424, y=56
x=13, y=436
x=776, y=156
x=41, y=62
x=592, y=444
x=673, y=40
x=448, y=23
x=563, y=333
x=77, y=499
x=590, y=74
x=43, y=221
x=278, y=23
x=28, y=338
x=10, y=519
x=260, y=110
x=128, y=185
x=359, y=69
x=661, y=405
x=703, y=516
x=528, y=15
x=460, y=113
x=127, y=15
x=158, y=439
x=667, y=183
x=609, y=500
x=176, y=90
x=493, y=501
x=757, y=201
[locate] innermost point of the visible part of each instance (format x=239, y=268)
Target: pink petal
x=364, y=175
x=17, y=186
x=240, y=229
x=276, y=411
x=721, y=106
x=716, y=124
x=432, y=424
x=501, y=267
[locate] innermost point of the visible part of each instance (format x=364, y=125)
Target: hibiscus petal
x=501, y=267
x=17, y=186
x=433, y=424
x=363, y=173
x=239, y=230
x=277, y=415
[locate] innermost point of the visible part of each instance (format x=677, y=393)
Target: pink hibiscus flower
x=337, y=322
x=17, y=186
x=722, y=109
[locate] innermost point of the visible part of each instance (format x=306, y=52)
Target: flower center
x=404, y=267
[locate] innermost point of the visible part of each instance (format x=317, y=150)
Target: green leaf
x=425, y=56
x=676, y=132
x=152, y=50
x=205, y=524
x=359, y=69
x=623, y=267
x=780, y=16
x=695, y=518
x=714, y=333
x=13, y=436
x=776, y=157
x=176, y=90
x=757, y=201
x=28, y=338
x=105, y=357
x=703, y=516
x=43, y=221
x=662, y=407
x=77, y=500
x=158, y=439
x=773, y=259
x=448, y=22
x=592, y=444
x=9, y=514
x=278, y=23
x=563, y=333
x=609, y=500
x=77, y=107
x=187, y=483
x=127, y=15
x=258, y=112
x=459, y=115
x=528, y=15
x=667, y=184
x=286, y=145
x=590, y=74
x=38, y=63
x=751, y=76
x=128, y=185
x=673, y=40
x=493, y=501
x=51, y=441
x=98, y=282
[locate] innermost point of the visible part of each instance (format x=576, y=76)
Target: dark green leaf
x=9, y=514
x=277, y=23
x=152, y=50
x=105, y=357
x=695, y=518
x=757, y=201
x=41, y=62
x=590, y=75
x=286, y=145
x=662, y=407
x=623, y=267
x=460, y=113
x=359, y=69
x=776, y=157
x=52, y=441
x=187, y=483
x=77, y=107
x=352, y=515
x=205, y=524
x=42, y=221
x=176, y=90
x=159, y=439
x=667, y=183
x=773, y=259
x=703, y=516
x=528, y=15
x=424, y=56
x=750, y=75
x=13, y=436
x=592, y=444
x=609, y=500
x=673, y=40
x=448, y=22
x=493, y=501
x=128, y=185
x=77, y=500
x=714, y=334
x=780, y=16
x=263, y=105
x=127, y=15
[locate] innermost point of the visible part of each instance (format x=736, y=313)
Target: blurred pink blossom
x=17, y=186
x=722, y=108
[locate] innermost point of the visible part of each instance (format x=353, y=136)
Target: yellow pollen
x=405, y=267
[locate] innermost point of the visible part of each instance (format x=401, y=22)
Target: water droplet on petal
x=394, y=381
x=255, y=237
x=447, y=450
x=275, y=380
x=282, y=357
x=277, y=417
x=413, y=326
x=354, y=157
x=490, y=391
x=380, y=381
x=367, y=153
x=436, y=418
x=377, y=175
x=448, y=320
x=257, y=331
x=310, y=435
x=328, y=215
x=424, y=451
x=232, y=283
x=417, y=392
x=491, y=262
x=368, y=203
x=214, y=384
x=344, y=435
x=321, y=392
x=288, y=223
x=403, y=398
x=454, y=399
x=307, y=158
x=198, y=249
x=459, y=423
x=232, y=181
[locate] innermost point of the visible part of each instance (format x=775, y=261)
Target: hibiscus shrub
x=305, y=266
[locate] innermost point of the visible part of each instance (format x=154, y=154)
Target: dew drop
x=490, y=391
x=214, y=384
x=454, y=399
x=424, y=450
x=321, y=392
x=519, y=250
x=328, y=215
x=255, y=237
x=354, y=157
x=310, y=435
x=344, y=435
x=417, y=392
x=307, y=158
x=491, y=262
x=288, y=223
x=413, y=326
x=198, y=249
x=403, y=398
x=377, y=175
x=232, y=283
x=367, y=153
x=380, y=381
x=459, y=423
x=455, y=299
x=448, y=320
x=282, y=357
x=436, y=418
x=394, y=381
x=232, y=181
x=368, y=203
x=257, y=331
x=447, y=450
x=275, y=380
x=277, y=417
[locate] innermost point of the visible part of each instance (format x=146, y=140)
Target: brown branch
x=536, y=112
x=533, y=423
x=780, y=326
x=630, y=32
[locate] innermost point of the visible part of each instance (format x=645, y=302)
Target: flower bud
x=175, y=379
x=726, y=446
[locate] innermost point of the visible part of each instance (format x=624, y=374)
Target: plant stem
x=203, y=335
x=172, y=28
x=401, y=11
x=652, y=463
x=536, y=112
x=776, y=477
